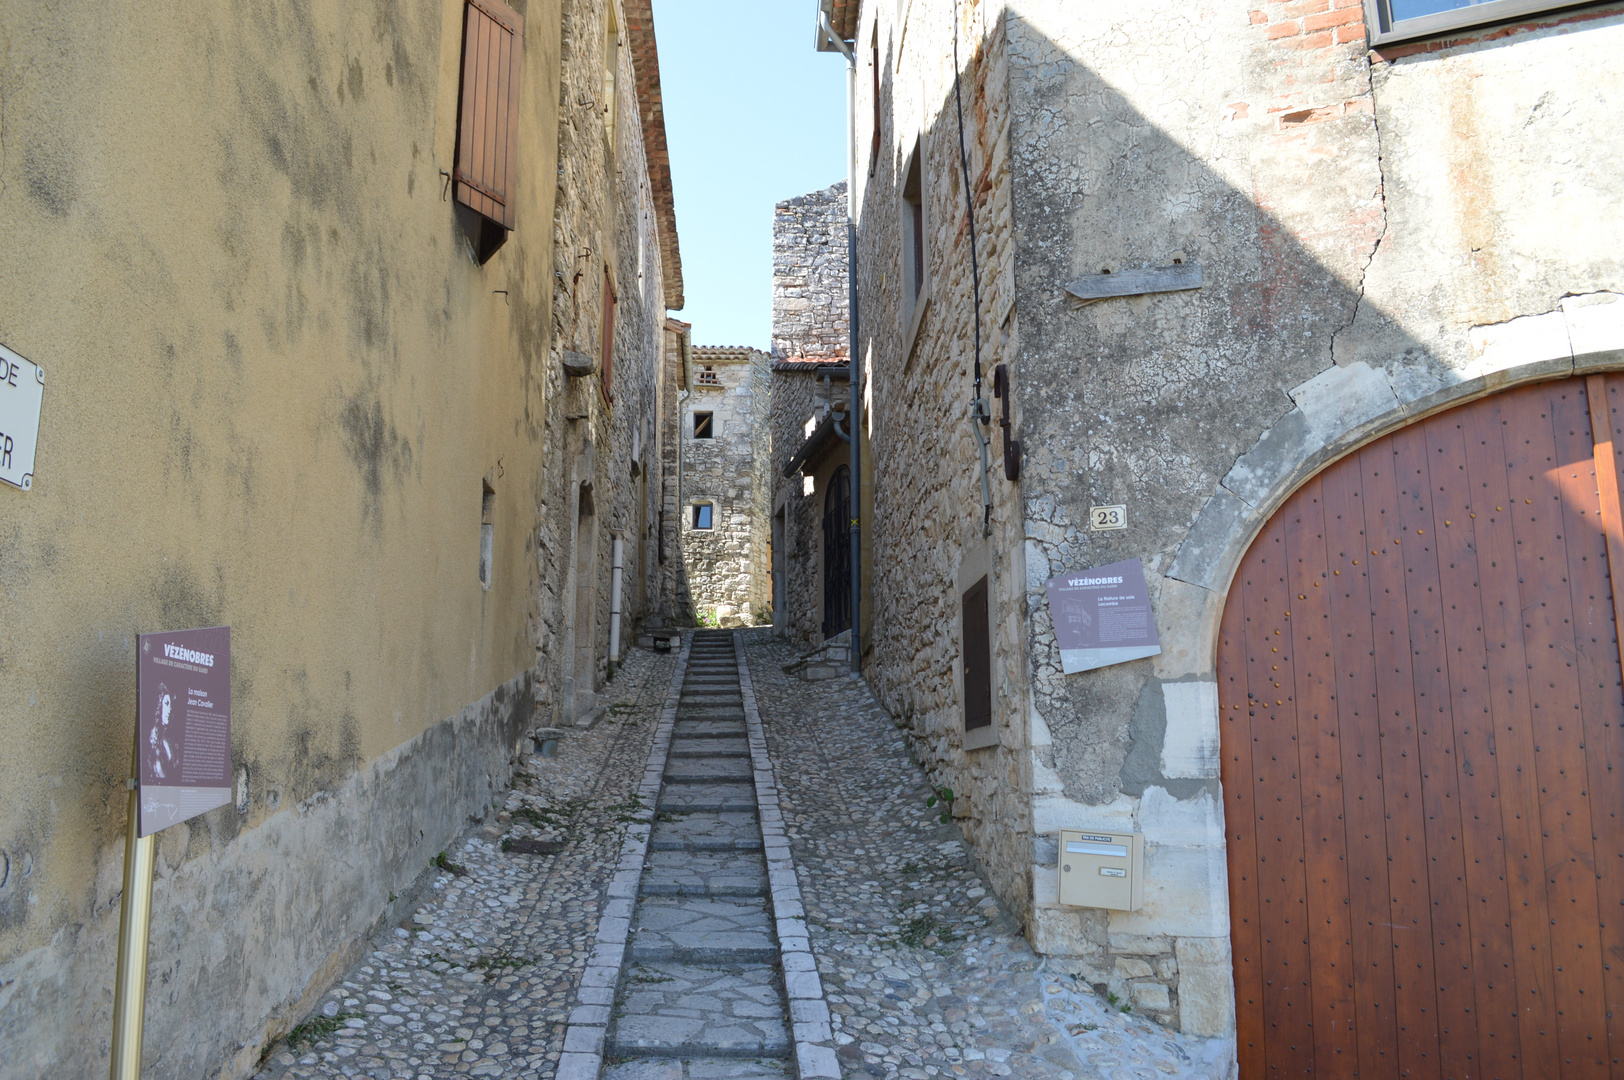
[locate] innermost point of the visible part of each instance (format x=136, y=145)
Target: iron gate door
x=1421, y=705
x=837, y=553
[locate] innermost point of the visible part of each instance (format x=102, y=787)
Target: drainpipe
x=854, y=414
x=614, y=604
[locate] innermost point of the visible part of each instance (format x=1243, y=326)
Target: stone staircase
x=702, y=994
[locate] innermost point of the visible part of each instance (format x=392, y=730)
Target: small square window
x=702, y=515
x=703, y=426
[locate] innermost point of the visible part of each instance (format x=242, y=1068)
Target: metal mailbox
x=1102, y=870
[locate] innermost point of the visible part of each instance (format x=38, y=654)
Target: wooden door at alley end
x=1421, y=722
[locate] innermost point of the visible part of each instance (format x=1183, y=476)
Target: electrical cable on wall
x=981, y=414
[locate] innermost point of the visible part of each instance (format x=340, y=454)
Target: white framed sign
x=22, y=389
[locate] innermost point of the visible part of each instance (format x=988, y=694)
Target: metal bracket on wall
x=1154, y=279
x=1012, y=447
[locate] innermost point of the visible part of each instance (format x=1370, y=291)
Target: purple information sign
x=1102, y=616
x=183, y=692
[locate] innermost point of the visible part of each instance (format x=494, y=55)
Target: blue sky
x=753, y=116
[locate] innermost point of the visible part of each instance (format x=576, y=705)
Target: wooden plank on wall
x=1155, y=279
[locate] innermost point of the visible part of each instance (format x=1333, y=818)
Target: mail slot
x=1102, y=870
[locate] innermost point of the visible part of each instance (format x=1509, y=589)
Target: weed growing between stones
x=318, y=1027
x=917, y=930
x=944, y=796
x=441, y=862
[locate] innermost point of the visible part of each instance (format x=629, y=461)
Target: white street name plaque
x=22, y=388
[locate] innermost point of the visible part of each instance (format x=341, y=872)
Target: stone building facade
x=670, y=602
x=1380, y=233
x=352, y=434
x=811, y=393
x=810, y=283
x=724, y=488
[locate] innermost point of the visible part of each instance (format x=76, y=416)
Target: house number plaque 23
x=1101, y=518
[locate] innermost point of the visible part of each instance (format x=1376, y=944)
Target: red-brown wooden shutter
x=487, y=127
x=977, y=658
x=606, y=344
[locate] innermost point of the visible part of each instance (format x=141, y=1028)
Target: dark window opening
x=487, y=531
x=702, y=515
x=913, y=227
x=977, y=657
x=704, y=428
x=837, y=553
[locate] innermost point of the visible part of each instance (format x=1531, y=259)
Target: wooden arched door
x=1423, y=774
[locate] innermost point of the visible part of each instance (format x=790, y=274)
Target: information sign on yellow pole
x=181, y=767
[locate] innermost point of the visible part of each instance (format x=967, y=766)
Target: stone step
x=704, y=873
x=710, y=712
x=699, y=751
x=703, y=930
x=707, y=681
x=642, y=1068
x=706, y=830
x=691, y=771
x=685, y=798
x=707, y=700
x=709, y=747
x=703, y=729
x=679, y=1010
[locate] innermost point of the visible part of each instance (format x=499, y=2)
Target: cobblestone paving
x=481, y=981
x=924, y=974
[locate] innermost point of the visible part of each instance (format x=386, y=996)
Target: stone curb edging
x=582, y=1058
x=809, y=1012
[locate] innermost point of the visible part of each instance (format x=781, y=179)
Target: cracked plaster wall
x=1372, y=242
x=1375, y=242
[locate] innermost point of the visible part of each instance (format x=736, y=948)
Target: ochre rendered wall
x=274, y=382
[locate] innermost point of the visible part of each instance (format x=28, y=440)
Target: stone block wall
x=726, y=566
x=810, y=293
x=614, y=226
x=801, y=396
x=671, y=603
x=931, y=534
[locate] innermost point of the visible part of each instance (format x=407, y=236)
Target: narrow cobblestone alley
x=499, y=969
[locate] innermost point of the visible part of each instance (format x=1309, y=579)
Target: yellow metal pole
x=135, y=919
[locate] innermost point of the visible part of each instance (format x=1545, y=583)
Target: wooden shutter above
x=977, y=658
x=487, y=126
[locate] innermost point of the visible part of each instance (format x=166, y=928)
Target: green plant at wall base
x=764, y=616
x=944, y=796
x=706, y=617
x=318, y=1027
x=441, y=862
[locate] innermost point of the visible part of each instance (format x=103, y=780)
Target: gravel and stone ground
x=481, y=979
x=925, y=975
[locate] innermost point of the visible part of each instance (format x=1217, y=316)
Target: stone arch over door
x=1422, y=722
